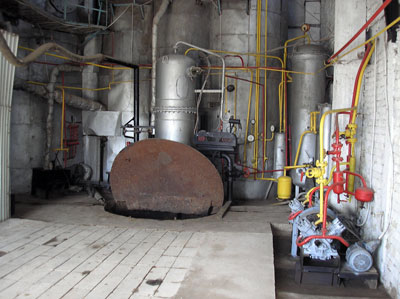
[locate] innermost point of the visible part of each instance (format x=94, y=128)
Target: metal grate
x=7, y=72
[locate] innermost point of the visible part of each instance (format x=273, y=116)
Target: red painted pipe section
x=380, y=9
x=309, y=238
x=312, y=193
x=236, y=56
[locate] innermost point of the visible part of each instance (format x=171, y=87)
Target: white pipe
x=161, y=11
x=223, y=70
x=49, y=123
x=207, y=91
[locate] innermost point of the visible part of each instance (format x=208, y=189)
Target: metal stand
x=370, y=278
x=317, y=271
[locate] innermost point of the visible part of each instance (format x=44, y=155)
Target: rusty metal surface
x=165, y=176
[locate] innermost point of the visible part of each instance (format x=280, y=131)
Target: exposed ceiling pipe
x=70, y=99
x=19, y=62
x=50, y=100
x=161, y=11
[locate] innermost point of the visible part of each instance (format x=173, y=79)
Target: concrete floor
x=71, y=248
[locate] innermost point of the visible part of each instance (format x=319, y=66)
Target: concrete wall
x=349, y=17
x=378, y=133
x=29, y=112
x=380, y=145
x=130, y=41
x=305, y=11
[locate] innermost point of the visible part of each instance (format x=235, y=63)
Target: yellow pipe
x=272, y=137
x=81, y=88
x=87, y=63
x=313, y=129
x=235, y=102
x=329, y=180
x=257, y=99
x=366, y=42
x=265, y=158
x=305, y=35
x=263, y=68
x=61, y=148
x=294, y=167
x=280, y=106
x=266, y=179
x=248, y=117
x=321, y=129
x=296, y=159
x=353, y=120
x=321, y=164
x=239, y=53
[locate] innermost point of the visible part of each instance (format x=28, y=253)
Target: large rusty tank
x=164, y=179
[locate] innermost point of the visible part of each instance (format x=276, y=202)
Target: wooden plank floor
x=47, y=260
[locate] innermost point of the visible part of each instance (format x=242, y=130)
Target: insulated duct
x=11, y=58
x=70, y=100
x=161, y=11
x=49, y=122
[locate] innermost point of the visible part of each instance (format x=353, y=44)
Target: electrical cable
x=371, y=173
x=389, y=124
x=117, y=18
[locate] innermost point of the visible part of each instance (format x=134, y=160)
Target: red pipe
x=286, y=122
x=312, y=193
x=263, y=94
x=357, y=175
x=330, y=188
x=324, y=230
x=247, y=67
x=353, y=101
x=381, y=8
x=352, y=113
x=237, y=56
x=309, y=238
x=267, y=171
x=290, y=145
x=294, y=215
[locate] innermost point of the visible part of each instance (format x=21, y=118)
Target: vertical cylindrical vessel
x=235, y=30
x=175, y=109
x=279, y=154
x=305, y=92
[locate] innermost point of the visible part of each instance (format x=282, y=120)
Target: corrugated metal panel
x=7, y=72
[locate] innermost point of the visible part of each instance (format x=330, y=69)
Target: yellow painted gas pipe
x=265, y=120
x=257, y=94
x=248, y=118
x=313, y=129
x=320, y=170
x=352, y=126
x=62, y=148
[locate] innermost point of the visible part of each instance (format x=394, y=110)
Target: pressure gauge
x=250, y=138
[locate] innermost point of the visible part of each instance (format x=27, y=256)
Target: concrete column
x=350, y=16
